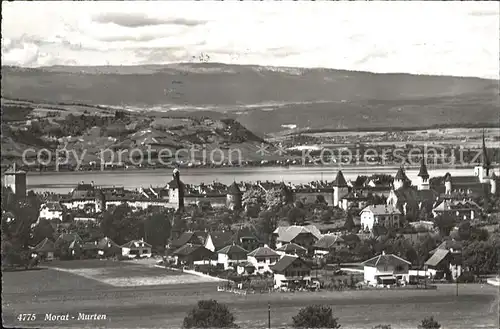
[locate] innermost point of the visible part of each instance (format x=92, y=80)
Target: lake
x=63, y=182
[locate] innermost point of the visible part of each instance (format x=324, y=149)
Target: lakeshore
x=64, y=182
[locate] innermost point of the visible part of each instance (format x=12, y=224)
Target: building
x=176, y=191
x=291, y=270
x=329, y=243
x=51, y=211
x=15, y=180
x=423, y=176
x=234, y=197
x=190, y=254
x=198, y=238
x=382, y=215
x=292, y=249
x=461, y=210
x=305, y=236
x=386, y=269
x=231, y=255
x=136, y=248
x=340, y=188
x=217, y=240
x=444, y=264
x=108, y=248
x=262, y=259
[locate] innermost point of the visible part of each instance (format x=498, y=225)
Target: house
x=136, y=248
x=108, y=248
x=444, y=264
x=292, y=249
x=386, y=269
x=90, y=249
x=263, y=258
x=231, y=255
x=218, y=239
x=304, y=236
x=382, y=215
x=45, y=249
x=290, y=270
x=191, y=254
x=190, y=237
x=329, y=243
x=462, y=210
x=246, y=238
x=51, y=211
x=245, y=268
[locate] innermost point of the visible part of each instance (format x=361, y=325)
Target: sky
x=438, y=38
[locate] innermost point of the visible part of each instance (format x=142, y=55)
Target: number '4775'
x=26, y=317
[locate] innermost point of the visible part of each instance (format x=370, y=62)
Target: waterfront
x=63, y=182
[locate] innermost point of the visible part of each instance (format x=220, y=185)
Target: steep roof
x=385, y=259
x=135, y=244
x=423, y=169
x=449, y=205
x=285, y=262
x=292, y=247
x=437, y=257
x=232, y=249
x=197, y=237
x=189, y=249
x=234, y=189
x=339, y=180
x=401, y=175
x=69, y=237
x=288, y=233
x=106, y=243
x=263, y=252
x=45, y=245
x=382, y=209
x=327, y=241
x=448, y=245
x=221, y=239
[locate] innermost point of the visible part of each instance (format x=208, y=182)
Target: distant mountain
x=267, y=99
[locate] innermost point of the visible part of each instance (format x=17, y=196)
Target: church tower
x=15, y=180
x=482, y=171
x=400, y=179
x=176, y=191
x=340, y=188
x=233, y=198
x=423, y=175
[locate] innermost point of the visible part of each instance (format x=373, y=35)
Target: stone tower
x=15, y=180
x=400, y=179
x=424, y=176
x=482, y=171
x=447, y=183
x=233, y=197
x=340, y=188
x=176, y=191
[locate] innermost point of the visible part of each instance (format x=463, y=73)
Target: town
x=378, y=231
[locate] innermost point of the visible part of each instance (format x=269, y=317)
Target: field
x=164, y=306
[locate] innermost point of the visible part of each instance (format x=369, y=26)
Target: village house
x=108, y=248
x=51, y=211
x=292, y=249
x=329, y=243
x=136, y=248
x=262, y=259
x=290, y=270
x=305, y=236
x=461, y=210
x=190, y=254
x=382, y=215
x=444, y=264
x=386, y=269
x=245, y=268
x=231, y=255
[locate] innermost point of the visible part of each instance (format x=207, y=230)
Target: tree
x=209, y=314
x=315, y=316
x=445, y=224
x=349, y=223
x=267, y=223
x=43, y=230
x=296, y=216
x=429, y=323
x=157, y=230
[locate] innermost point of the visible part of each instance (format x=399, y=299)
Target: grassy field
x=164, y=306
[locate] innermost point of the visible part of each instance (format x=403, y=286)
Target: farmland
x=165, y=305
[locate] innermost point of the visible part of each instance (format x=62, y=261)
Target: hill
x=264, y=99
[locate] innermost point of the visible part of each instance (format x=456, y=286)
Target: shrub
x=466, y=277
x=429, y=323
x=315, y=316
x=209, y=314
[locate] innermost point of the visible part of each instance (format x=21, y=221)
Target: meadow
x=164, y=306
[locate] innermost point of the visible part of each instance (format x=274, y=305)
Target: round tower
x=340, y=188
x=424, y=176
x=400, y=179
x=447, y=183
x=233, y=197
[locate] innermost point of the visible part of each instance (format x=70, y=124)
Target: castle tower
x=482, y=171
x=176, y=191
x=400, y=179
x=447, y=183
x=340, y=188
x=233, y=197
x=15, y=180
x=424, y=176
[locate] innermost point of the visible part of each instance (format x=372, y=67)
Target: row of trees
x=211, y=314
